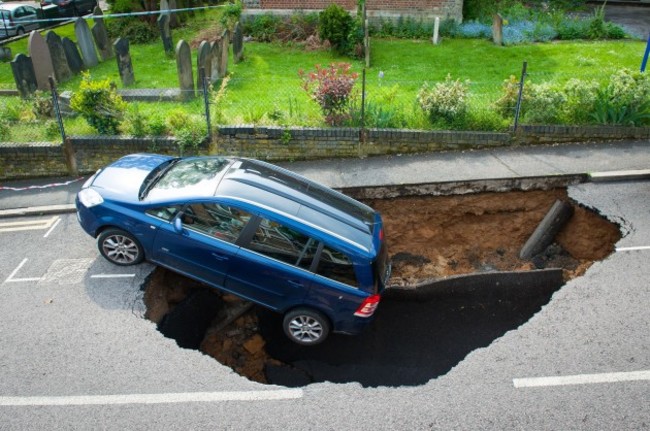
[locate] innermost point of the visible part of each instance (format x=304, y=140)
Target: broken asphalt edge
x=421, y=189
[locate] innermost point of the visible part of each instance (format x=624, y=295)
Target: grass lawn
x=266, y=89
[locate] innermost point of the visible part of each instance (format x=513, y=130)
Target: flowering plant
x=331, y=87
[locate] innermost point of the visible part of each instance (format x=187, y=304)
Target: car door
x=273, y=267
x=29, y=17
x=206, y=245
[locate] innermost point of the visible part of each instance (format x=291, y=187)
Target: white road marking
x=11, y=278
x=58, y=220
x=582, y=379
x=646, y=247
x=112, y=276
x=184, y=397
x=17, y=226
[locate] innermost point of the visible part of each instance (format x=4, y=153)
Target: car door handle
x=295, y=283
x=221, y=257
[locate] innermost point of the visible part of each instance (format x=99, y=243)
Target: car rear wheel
x=120, y=247
x=306, y=326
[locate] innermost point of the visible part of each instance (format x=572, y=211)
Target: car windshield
x=189, y=177
x=5, y=14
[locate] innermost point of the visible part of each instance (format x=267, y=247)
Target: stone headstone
x=238, y=44
x=173, y=16
x=436, y=31
x=75, y=62
x=124, y=64
x=203, y=64
x=165, y=33
x=62, y=70
x=497, y=29
x=86, y=44
x=215, y=56
x=5, y=53
x=41, y=60
x=100, y=34
x=225, y=46
x=23, y=71
x=184, y=68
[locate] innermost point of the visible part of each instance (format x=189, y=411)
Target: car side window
x=283, y=243
x=217, y=220
x=337, y=266
x=165, y=213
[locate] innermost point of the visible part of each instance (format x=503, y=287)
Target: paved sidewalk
x=602, y=161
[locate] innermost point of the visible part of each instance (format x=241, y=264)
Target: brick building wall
x=375, y=8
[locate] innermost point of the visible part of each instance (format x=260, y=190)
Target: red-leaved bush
x=331, y=87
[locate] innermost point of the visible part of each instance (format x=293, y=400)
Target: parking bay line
x=29, y=225
x=170, y=398
x=582, y=379
x=641, y=248
x=11, y=278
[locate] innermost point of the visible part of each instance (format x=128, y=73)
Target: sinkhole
x=458, y=283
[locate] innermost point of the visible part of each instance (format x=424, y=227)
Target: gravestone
x=203, y=64
x=436, y=31
x=225, y=46
x=184, y=68
x=215, y=57
x=24, y=76
x=238, y=44
x=86, y=44
x=173, y=16
x=5, y=53
x=124, y=64
x=497, y=29
x=62, y=70
x=165, y=33
x=102, y=40
x=41, y=60
x=75, y=62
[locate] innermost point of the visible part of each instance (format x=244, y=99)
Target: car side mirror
x=178, y=225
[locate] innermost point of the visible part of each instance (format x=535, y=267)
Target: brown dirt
x=428, y=238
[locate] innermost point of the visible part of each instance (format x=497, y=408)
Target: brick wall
x=420, y=9
x=275, y=144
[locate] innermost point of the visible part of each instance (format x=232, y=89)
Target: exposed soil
x=429, y=238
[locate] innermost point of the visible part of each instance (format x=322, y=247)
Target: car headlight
x=90, y=198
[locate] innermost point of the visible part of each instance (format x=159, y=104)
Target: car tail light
x=368, y=306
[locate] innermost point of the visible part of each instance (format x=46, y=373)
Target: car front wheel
x=120, y=247
x=306, y=326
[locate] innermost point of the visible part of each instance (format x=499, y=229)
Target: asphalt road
x=77, y=354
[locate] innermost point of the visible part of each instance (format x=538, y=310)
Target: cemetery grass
x=266, y=89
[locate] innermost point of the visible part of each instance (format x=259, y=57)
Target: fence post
x=68, y=151
x=362, y=134
x=206, y=100
x=521, y=91
x=645, y=56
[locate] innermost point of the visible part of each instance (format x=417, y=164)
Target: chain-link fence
x=375, y=101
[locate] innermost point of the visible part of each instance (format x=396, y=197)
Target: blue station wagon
x=245, y=227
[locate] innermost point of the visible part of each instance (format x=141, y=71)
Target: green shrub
x=630, y=88
x=231, y=14
x=136, y=122
x=133, y=29
x=607, y=110
x=52, y=131
x=331, y=87
x=5, y=129
x=42, y=105
x=263, y=27
x=99, y=104
x=581, y=97
x=191, y=135
x=335, y=25
x=158, y=126
x=446, y=100
x=543, y=103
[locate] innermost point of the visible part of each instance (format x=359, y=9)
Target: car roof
x=283, y=192
x=14, y=6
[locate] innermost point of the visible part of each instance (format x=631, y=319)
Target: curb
x=433, y=189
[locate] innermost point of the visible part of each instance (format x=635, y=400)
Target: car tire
x=305, y=326
x=20, y=31
x=120, y=247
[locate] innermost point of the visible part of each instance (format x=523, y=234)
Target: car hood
x=122, y=179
